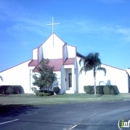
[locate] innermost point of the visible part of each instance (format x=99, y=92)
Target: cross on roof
x=52, y=24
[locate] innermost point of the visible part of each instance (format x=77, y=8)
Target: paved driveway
x=80, y=116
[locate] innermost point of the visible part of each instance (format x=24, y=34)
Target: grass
x=29, y=99
x=13, y=103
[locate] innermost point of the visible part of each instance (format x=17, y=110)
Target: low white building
x=65, y=60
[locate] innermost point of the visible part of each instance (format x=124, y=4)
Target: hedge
x=11, y=89
x=39, y=93
x=102, y=89
x=56, y=90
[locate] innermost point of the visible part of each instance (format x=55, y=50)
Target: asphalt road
x=81, y=116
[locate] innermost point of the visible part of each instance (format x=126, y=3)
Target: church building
x=65, y=60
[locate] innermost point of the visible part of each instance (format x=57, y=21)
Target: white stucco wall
x=35, y=53
x=63, y=83
x=71, y=51
x=65, y=51
x=18, y=75
x=50, y=51
x=76, y=75
x=114, y=76
x=117, y=77
x=58, y=82
x=40, y=51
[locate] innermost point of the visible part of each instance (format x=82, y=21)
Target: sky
x=101, y=26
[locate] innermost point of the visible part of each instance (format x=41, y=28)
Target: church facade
x=65, y=60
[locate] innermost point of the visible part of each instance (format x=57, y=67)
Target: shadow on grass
x=15, y=110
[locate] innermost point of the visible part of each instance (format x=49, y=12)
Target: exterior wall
x=35, y=54
x=76, y=75
x=113, y=76
x=40, y=53
x=65, y=52
x=63, y=86
x=71, y=51
x=58, y=81
x=81, y=78
x=117, y=77
x=50, y=51
x=18, y=75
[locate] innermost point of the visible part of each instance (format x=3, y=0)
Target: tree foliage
x=91, y=62
x=46, y=77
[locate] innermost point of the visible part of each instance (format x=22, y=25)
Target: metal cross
x=52, y=24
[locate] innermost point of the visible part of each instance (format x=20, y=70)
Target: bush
x=18, y=89
x=39, y=93
x=11, y=89
x=3, y=89
x=89, y=89
x=46, y=91
x=116, y=89
x=100, y=89
x=108, y=89
x=56, y=90
x=46, y=94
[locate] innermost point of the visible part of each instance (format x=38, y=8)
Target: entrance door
x=69, y=79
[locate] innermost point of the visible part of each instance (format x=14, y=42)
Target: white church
x=65, y=60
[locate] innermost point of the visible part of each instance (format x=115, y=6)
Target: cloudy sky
x=91, y=25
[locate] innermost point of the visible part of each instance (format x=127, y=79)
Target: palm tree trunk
x=94, y=75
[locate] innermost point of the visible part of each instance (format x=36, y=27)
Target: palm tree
x=1, y=78
x=91, y=62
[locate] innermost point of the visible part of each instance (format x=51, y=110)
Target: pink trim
x=33, y=63
x=56, y=63
x=69, y=61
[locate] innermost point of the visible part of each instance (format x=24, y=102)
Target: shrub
x=56, y=90
x=46, y=91
x=89, y=89
x=46, y=94
x=18, y=89
x=108, y=89
x=100, y=89
x=3, y=89
x=9, y=90
x=116, y=89
x=39, y=93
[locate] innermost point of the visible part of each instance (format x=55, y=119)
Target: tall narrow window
x=70, y=79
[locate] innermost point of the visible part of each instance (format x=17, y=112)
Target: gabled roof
x=69, y=61
x=79, y=55
x=57, y=64
x=33, y=63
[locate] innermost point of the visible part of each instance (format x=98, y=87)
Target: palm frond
x=102, y=69
x=1, y=78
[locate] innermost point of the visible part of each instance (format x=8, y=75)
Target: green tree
x=46, y=77
x=91, y=62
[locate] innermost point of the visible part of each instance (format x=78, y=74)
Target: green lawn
x=29, y=99
x=13, y=103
